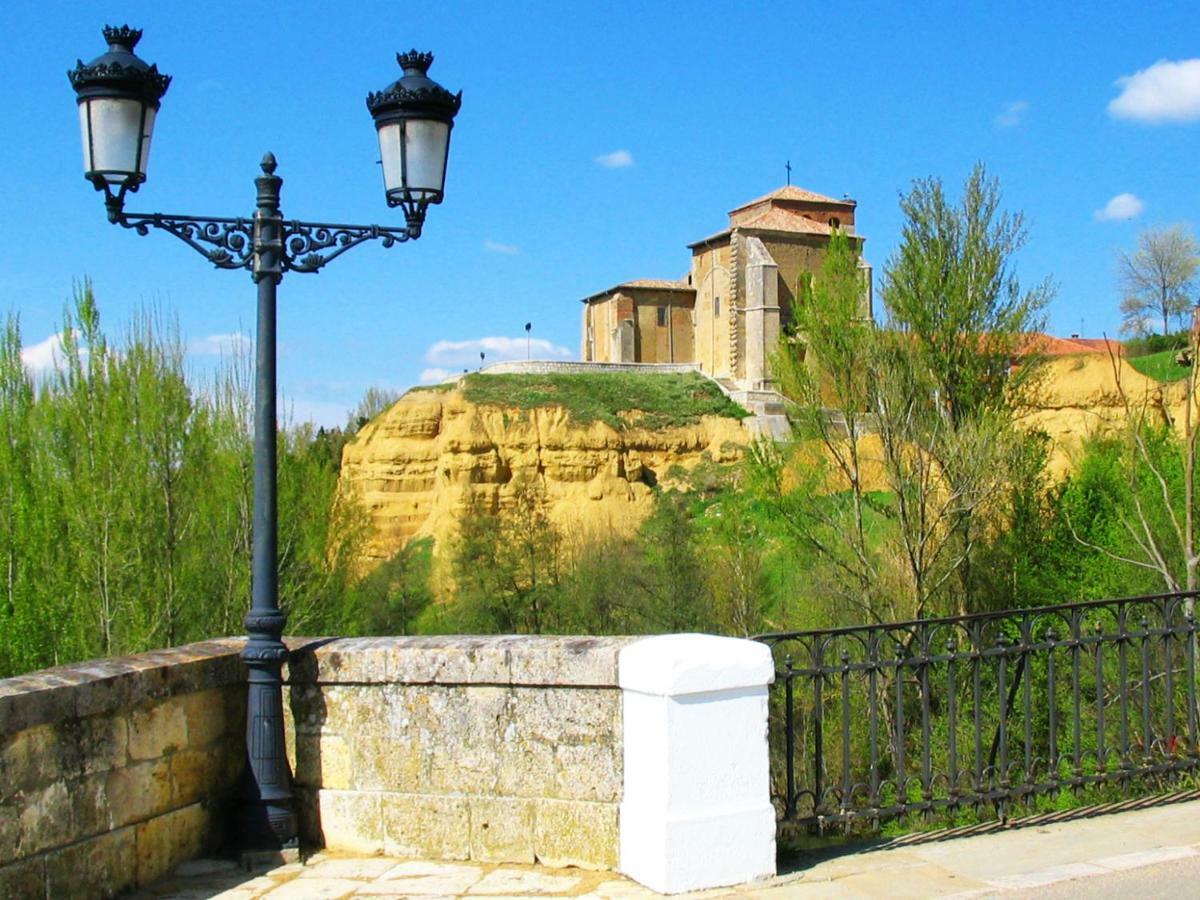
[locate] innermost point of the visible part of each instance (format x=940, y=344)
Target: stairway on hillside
x=768, y=410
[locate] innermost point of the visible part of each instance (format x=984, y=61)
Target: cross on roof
x=788, y=166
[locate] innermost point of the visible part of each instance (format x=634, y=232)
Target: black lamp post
x=119, y=96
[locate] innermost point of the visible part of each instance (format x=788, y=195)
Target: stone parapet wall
x=485, y=748
x=114, y=771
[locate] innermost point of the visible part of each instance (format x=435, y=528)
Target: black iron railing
x=987, y=711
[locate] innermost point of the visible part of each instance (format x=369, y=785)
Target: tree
x=925, y=407
x=950, y=286
x=1157, y=279
x=373, y=402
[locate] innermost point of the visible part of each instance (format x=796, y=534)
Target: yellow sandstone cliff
x=413, y=465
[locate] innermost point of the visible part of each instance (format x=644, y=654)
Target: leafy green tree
x=395, y=594
x=950, y=286
x=675, y=595
x=925, y=407
x=508, y=565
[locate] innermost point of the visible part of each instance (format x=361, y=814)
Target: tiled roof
x=776, y=219
x=1049, y=345
x=661, y=284
x=791, y=192
x=657, y=284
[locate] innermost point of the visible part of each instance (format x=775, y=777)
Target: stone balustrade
x=494, y=749
x=114, y=771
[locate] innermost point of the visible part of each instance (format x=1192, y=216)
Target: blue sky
x=694, y=107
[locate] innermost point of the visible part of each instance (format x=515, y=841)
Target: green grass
x=437, y=388
x=621, y=399
x=1160, y=366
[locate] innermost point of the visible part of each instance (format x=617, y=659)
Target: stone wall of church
x=794, y=258
x=497, y=749
x=664, y=337
x=711, y=268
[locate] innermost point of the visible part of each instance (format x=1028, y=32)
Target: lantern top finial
x=121, y=37
x=414, y=62
x=415, y=93
x=118, y=72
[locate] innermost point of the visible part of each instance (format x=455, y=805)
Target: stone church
x=727, y=313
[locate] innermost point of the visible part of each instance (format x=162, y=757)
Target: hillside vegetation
x=619, y=399
x=1160, y=366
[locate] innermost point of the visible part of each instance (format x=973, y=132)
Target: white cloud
x=466, y=353
x=45, y=356
x=618, y=159
x=433, y=376
x=233, y=344
x=1012, y=113
x=1122, y=206
x=496, y=247
x=1168, y=91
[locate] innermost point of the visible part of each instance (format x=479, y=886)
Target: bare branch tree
x=1158, y=279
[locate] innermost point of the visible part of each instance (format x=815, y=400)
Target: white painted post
x=696, y=810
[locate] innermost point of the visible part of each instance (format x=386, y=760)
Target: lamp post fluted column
x=119, y=96
x=267, y=815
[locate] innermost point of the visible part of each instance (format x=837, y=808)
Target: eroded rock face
x=416, y=464
x=1091, y=394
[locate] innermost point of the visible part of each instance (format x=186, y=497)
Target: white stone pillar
x=696, y=810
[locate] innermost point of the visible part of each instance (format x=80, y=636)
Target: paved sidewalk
x=1018, y=861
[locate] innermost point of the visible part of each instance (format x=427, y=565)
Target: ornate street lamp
x=119, y=96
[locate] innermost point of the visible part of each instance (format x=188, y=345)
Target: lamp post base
x=266, y=819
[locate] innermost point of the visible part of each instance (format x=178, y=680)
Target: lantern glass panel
x=425, y=146
x=413, y=152
x=391, y=155
x=116, y=139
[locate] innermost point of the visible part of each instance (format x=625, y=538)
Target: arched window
x=835, y=222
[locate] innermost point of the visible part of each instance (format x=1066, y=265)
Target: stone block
x=157, y=730
x=89, y=806
x=351, y=821
x=139, y=791
x=378, y=762
x=45, y=819
x=306, y=703
x=103, y=743
x=197, y=775
x=165, y=841
x=567, y=715
x=525, y=766
x=589, y=771
x=36, y=756
x=10, y=830
x=31, y=700
x=576, y=833
x=502, y=830
x=24, y=878
x=206, y=717
x=426, y=826
x=100, y=867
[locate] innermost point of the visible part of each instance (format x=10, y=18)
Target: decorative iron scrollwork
x=303, y=241
x=230, y=242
